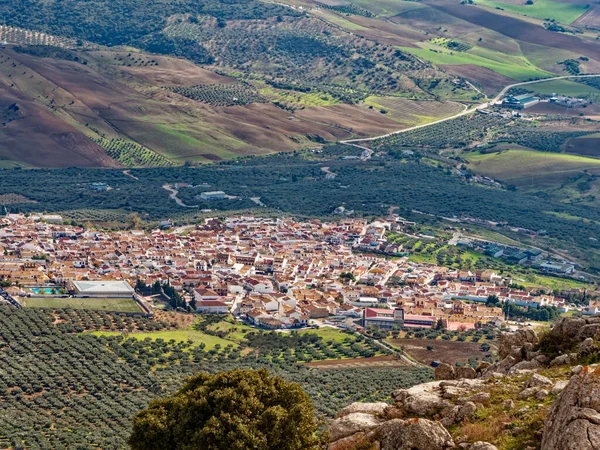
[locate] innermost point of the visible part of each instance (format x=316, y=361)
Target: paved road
x=466, y=111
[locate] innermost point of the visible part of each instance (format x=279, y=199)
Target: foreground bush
x=235, y=410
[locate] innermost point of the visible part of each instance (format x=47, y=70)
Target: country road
x=173, y=196
x=467, y=110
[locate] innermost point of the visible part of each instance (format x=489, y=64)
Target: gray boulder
x=537, y=380
x=422, y=400
x=565, y=359
x=376, y=409
x=459, y=413
x=526, y=393
x=525, y=365
x=351, y=424
x=559, y=386
x=413, y=434
x=444, y=372
x=465, y=372
x=482, y=446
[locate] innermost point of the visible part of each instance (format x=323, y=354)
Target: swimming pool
x=44, y=291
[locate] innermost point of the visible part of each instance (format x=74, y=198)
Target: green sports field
x=97, y=304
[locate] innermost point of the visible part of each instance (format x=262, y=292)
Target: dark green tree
x=236, y=410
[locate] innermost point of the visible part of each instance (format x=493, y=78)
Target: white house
x=260, y=286
x=212, y=307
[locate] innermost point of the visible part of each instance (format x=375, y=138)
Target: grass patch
x=517, y=67
x=96, y=304
x=340, y=21
x=413, y=112
x=541, y=9
x=562, y=87
x=567, y=216
x=387, y=7
x=327, y=334
x=231, y=330
x=197, y=337
x=530, y=168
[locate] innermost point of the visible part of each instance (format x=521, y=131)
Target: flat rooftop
x=106, y=288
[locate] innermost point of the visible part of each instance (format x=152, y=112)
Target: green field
x=328, y=334
x=517, y=67
x=387, y=7
x=562, y=87
x=541, y=9
x=530, y=168
x=235, y=331
x=97, y=304
x=197, y=337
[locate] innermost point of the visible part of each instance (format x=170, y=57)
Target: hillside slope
x=99, y=96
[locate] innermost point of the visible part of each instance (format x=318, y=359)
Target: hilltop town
x=272, y=273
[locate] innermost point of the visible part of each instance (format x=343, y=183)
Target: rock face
x=573, y=422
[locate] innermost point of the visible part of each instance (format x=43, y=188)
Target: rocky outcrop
x=423, y=400
x=412, y=422
x=586, y=348
x=575, y=334
x=517, y=344
x=420, y=415
x=573, y=422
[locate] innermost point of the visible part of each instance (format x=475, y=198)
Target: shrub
x=235, y=410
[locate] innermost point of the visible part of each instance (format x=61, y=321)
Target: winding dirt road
x=466, y=111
